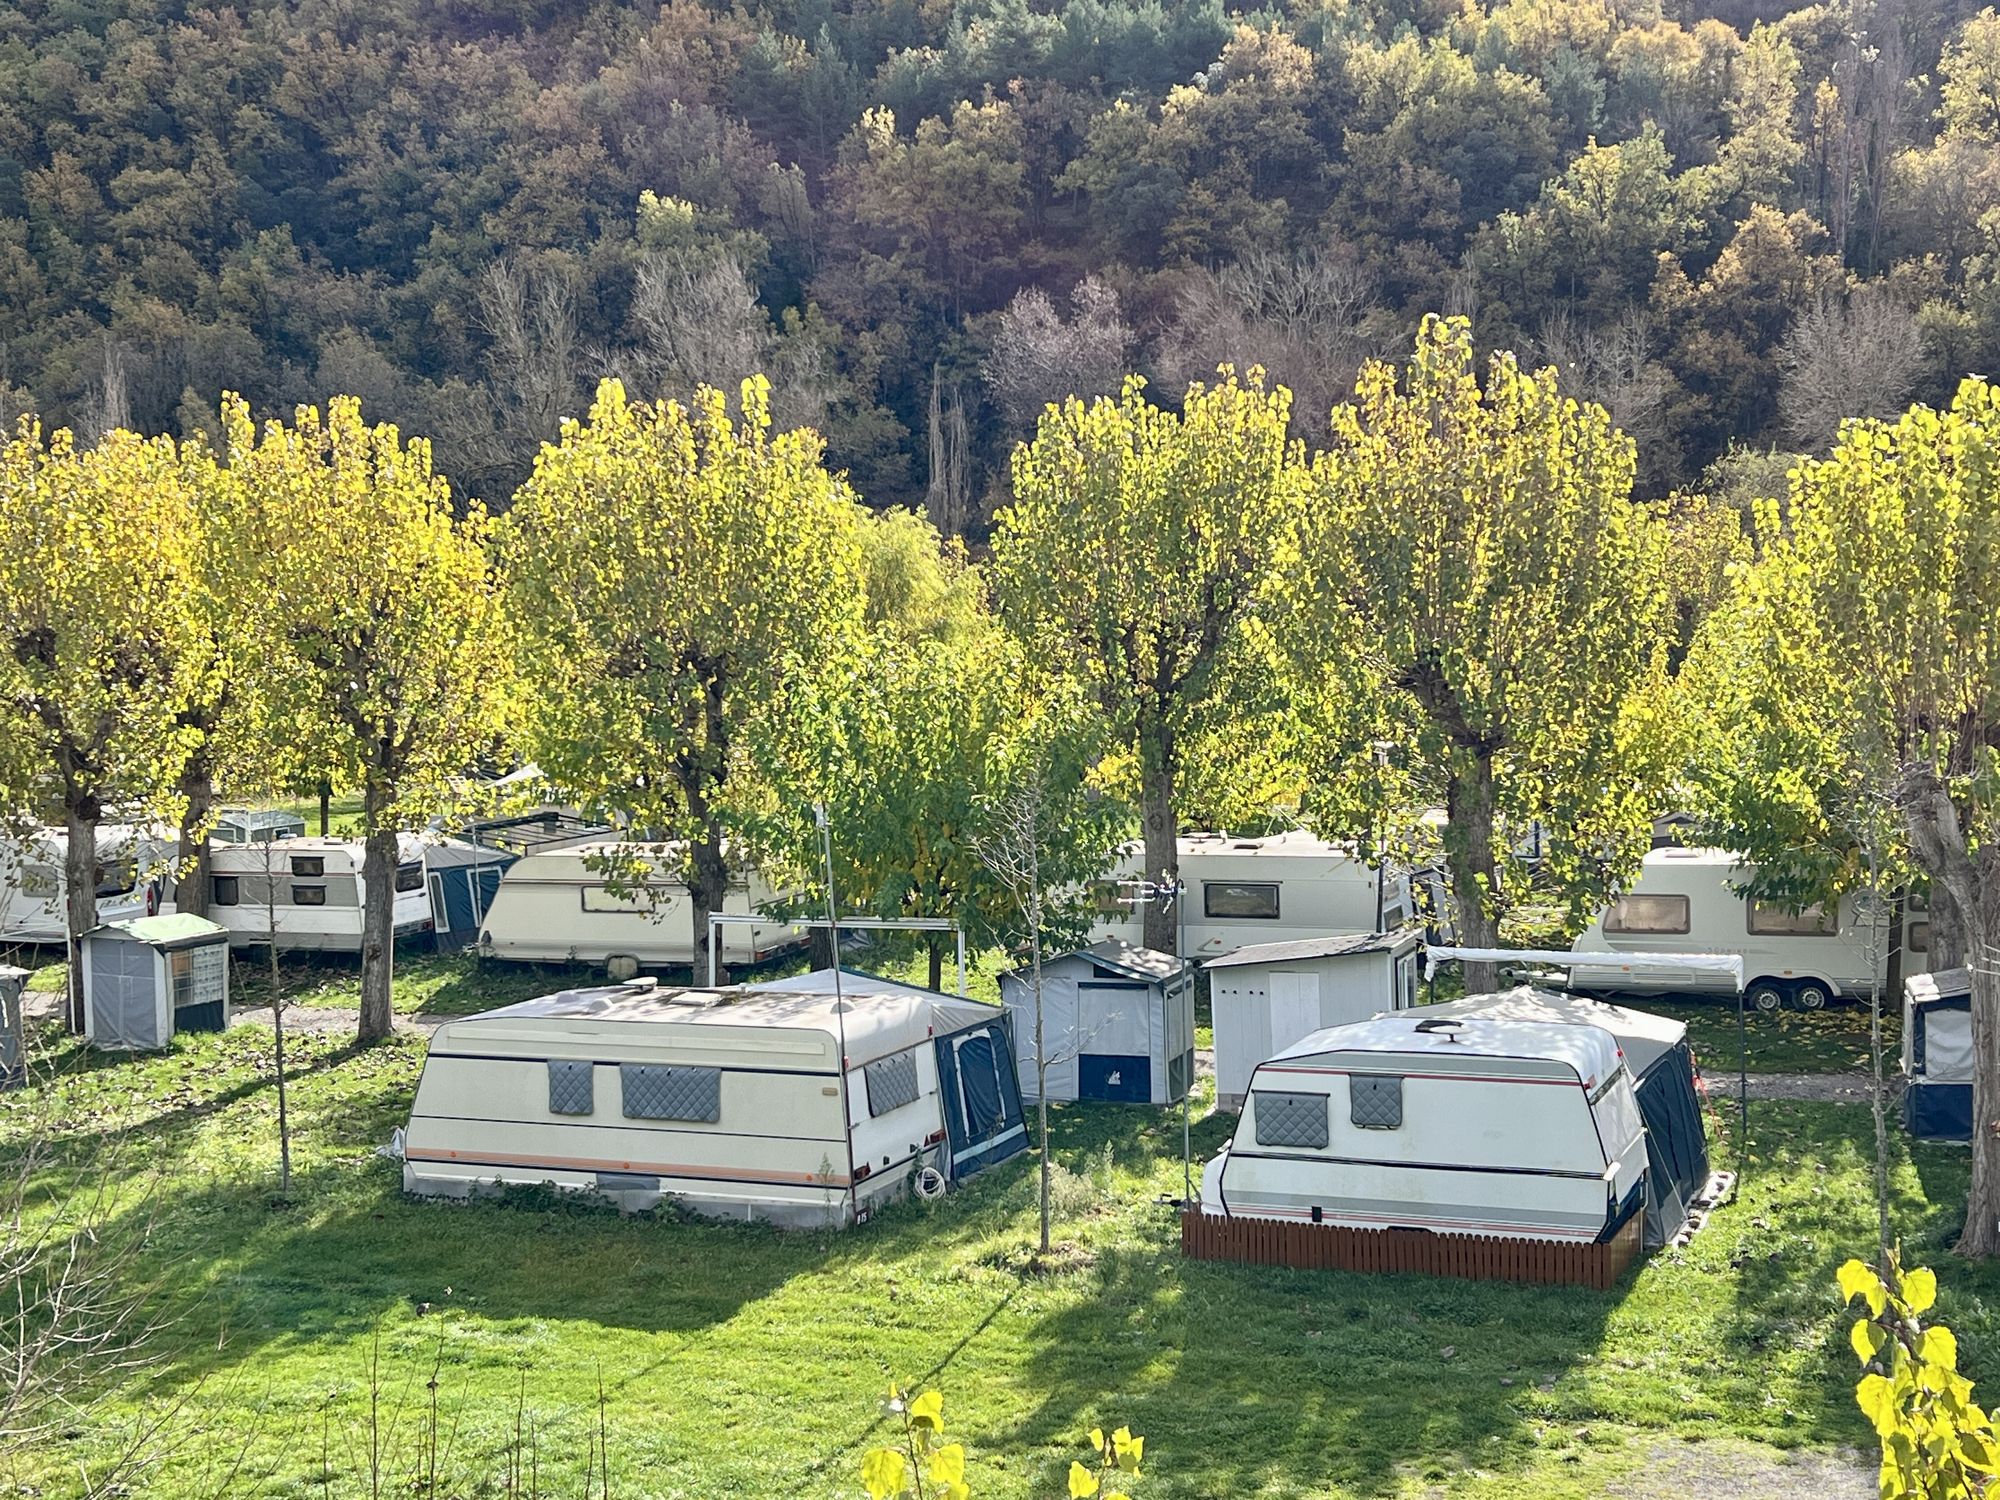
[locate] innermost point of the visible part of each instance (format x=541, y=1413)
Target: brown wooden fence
x=1334, y=1247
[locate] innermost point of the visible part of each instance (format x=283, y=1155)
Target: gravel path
x=1823, y=1088
x=1730, y=1471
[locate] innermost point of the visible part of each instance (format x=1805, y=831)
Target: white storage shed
x=1117, y=1024
x=728, y=1101
x=148, y=977
x=1514, y=1129
x=1265, y=997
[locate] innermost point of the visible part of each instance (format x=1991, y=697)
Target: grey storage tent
x=147, y=978
x=1937, y=1055
x=1117, y=1024
x=1663, y=1077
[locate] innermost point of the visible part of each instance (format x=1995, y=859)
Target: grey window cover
x=1375, y=1101
x=656, y=1092
x=570, y=1091
x=1291, y=1120
x=892, y=1083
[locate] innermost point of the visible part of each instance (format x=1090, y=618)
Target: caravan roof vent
x=1445, y=1026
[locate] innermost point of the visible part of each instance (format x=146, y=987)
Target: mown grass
x=1833, y=1040
x=737, y=1361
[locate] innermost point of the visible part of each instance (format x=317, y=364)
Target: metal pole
x=962, y=992
x=1187, y=1093
x=839, y=1003
x=714, y=924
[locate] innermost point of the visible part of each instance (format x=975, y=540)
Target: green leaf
x=882, y=1471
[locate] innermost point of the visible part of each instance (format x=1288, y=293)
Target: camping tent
x=1663, y=1073
x=462, y=878
x=1117, y=1024
x=1937, y=1055
x=148, y=977
x=728, y=1101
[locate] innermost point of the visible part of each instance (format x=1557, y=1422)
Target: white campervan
x=1289, y=886
x=558, y=906
x=309, y=891
x=134, y=870
x=1454, y=1125
x=1690, y=901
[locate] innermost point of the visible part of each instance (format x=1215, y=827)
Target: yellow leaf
x=1876, y=1398
x=928, y=1411
x=1859, y=1280
x=1082, y=1482
x=1939, y=1347
x=1920, y=1289
x=948, y=1464
x=1867, y=1339
x=1097, y=1438
x=882, y=1472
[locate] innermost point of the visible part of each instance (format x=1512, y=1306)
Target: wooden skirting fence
x=1334, y=1247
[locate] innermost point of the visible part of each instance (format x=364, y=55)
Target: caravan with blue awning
x=726, y=1101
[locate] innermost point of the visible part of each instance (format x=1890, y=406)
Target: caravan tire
x=1812, y=994
x=1765, y=995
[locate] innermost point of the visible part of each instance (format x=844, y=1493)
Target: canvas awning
x=1730, y=964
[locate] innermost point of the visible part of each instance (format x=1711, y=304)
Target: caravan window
x=654, y=1091
x=1107, y=897
x=1660, y=915
x=116, y=877
x=1291, y=1120
x=892, y=1082
x=223, y=890
x=1240, y=899
x=409, y=877
x=1769, y=919
x=597, y=898
x=39, y=881
x=1919, y=939
x=308, y=895
x=309, y=864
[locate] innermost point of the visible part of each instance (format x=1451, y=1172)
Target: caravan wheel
x=1765, y=995
x=1811, y=994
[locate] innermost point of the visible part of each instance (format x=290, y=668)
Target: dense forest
x=925, y=218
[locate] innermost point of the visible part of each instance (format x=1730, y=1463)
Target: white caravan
x=556, y=906
x=134, y=874
x=1517, y=1129
x=310, y=890
x=726, y=1101
x=1689, y=901
x=1286, y=887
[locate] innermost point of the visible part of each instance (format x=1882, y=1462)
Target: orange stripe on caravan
x=592, y=1164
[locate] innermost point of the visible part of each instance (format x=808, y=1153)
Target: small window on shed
x=654, y=1091
x=1240, y=898
x=1375, y=1101
x=223, y=890
x=570, y=1087
x=409, y=877
x=308, y=895
x=892, y=1082
x=309, y=864
x=1296, y=1120
x=1919, y=940
x=1662, y=915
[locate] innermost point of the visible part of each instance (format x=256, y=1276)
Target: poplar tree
x=1134, y=555
x=678, y=575
x=385, y=653
x=99, y=633
x=1481, y=617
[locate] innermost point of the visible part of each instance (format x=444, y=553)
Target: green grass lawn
x=1787, y=1041
x=736, y=1361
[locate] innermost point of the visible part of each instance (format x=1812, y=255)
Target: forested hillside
x=926, y=218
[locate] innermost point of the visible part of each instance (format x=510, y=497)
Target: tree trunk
x=1948, y=945
x=1468, y=847
x=1162, y=835
x=708, y=890
x=325, y=807
x=1041, y=1052
x=378, y=932
x=191, y=868
x=277, y=1024
x=79, y=894
x=936, y=946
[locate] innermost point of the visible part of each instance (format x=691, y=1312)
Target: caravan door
x=981, y=1099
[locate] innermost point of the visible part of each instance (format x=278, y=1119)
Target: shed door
x=124, y=996
x=1114, y=1041
x=1295, y=1012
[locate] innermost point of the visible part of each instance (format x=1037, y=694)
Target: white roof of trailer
x=879, y=1016
x=1334, y=945
x=1590, y=1051
x=1645, y=1037
x=1676, y=854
